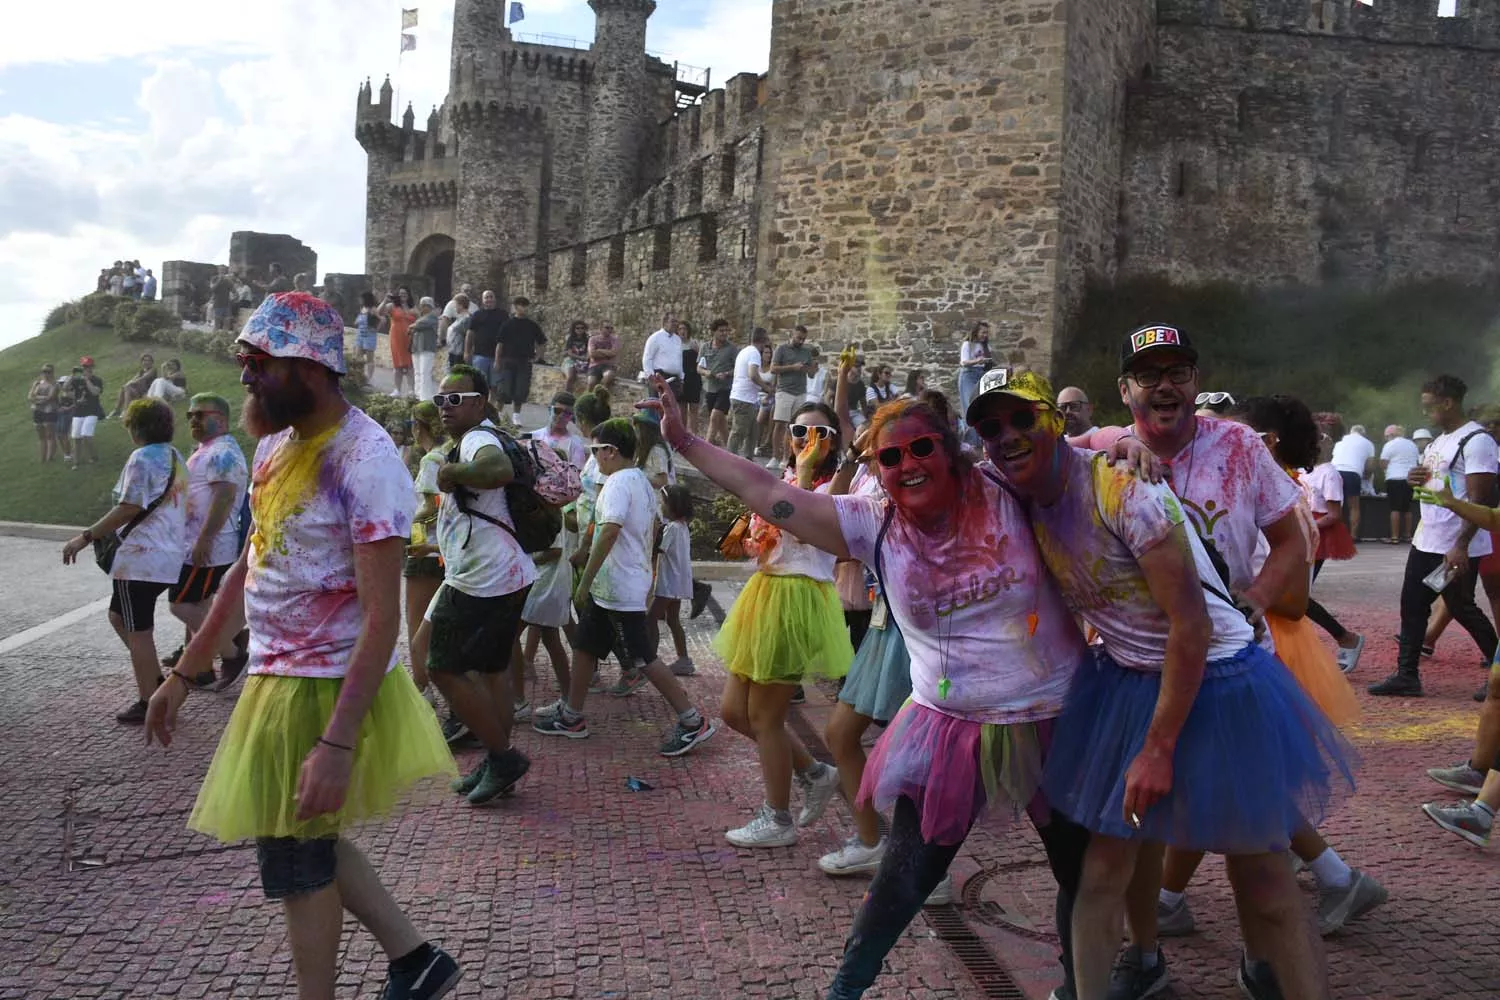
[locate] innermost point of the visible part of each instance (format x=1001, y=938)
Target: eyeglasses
x=255, y=364
x=200, y=414
x=453, y=398
x=799, y=431
x=1077, y=406
x=1150, y=378
x=558, y=411
x=1213, y=399
x=992, y=427
x=918, y=447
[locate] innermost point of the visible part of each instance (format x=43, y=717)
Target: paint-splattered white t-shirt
x=154, y=550
x=217, y=461
x=623, y=582
x=481, y=559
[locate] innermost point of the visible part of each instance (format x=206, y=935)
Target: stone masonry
x=905, y=169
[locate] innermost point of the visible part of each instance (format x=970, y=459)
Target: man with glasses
x=1077, y=412
x=476, y=615
x=559, y=433
x=217, y=481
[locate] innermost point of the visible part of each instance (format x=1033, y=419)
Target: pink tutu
x=953, y=770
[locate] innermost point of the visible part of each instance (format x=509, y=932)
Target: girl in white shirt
x=674, y=573
x=974, y=359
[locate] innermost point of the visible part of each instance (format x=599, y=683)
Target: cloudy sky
x=154, y=129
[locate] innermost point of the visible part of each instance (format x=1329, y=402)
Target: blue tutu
x=1255, y=760
x=879, y=681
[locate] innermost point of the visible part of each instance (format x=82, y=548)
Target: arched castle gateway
x=907, y=168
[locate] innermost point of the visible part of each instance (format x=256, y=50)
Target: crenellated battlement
x=1401, y=22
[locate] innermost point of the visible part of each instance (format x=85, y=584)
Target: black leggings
x=1320, y=615
x=912, y=869
x=1416, y=605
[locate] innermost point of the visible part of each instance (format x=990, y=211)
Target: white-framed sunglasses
x=453, y=398
x=1213, y=399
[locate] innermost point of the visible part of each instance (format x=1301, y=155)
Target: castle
x=905, y=168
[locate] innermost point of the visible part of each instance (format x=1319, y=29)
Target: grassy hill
x=54, y=493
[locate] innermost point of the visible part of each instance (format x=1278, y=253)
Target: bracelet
x=87, y=535
x=187, y=685
x=336, y=746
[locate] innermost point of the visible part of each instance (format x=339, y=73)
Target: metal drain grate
x=1012, y=915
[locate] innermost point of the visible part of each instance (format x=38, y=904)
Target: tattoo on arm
x=782, y=509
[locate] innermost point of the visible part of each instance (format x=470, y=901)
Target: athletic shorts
x=786, y=405
x=422, y=567
x=473, y=633
x=135, y=602
x=1352, y=488
x=291, y=867
x=196, y=584
x=599, y=371
x=83, y=427
x=43, y=417
x=1398, y=493
x=64, y=423
x=513, y=381
x=601, y=631
x=718, y=400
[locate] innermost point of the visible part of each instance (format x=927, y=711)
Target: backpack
x=544, y=483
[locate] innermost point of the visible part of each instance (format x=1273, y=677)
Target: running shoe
x=547, y=711
x=1337, y=905
x=515, y=419
x=596, y=683
x=684, y=667
x=942, y=894
x=817, y=792
x=556, y=725
x=170, y=660
x=132, y=715
x=463, y=786
x=631, y=681
x=1460, y=777
x=1461, y=819
x=685, y=738
x=500, y=776
x=701, y=593
x=1257, y=981
x=454, y=731
x=522, y=712
x=763, y=831
x=1174, y=921
x=433, y=980
x=1349, y=658
x=232, y=668
x=799, y=696
x=854, y=858
x=1131, y=980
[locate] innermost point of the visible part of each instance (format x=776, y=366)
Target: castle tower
x=619, y=115
x=384, y=145
x=480, y=38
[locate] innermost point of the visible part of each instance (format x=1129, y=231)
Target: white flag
x=408, y=18
x=408, y=42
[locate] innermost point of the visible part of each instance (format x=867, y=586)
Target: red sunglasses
x=918, y=448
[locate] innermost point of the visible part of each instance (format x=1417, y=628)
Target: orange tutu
x=1336, y=542
x=1298, y=646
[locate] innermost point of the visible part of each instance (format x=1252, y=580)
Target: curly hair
x=1446, y=387
x=1297, y=433
x=149, y=421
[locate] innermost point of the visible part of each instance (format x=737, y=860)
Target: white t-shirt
x=313, y=501
x=481, y=559
x=165, y=388
x=965, y=603
x=817, y=382
x=212, y=462
x=569, y=443
x=155, y=549
x=659, y=463
x=790, y=556
x=973, y=350
x=1352, y=452
x=1439, y=528
x=588, y=500
x=1401, y=456
x=1323, y=484
x=674, y=568
x=452, y=311
x=427, y=485
x=663, y=352
x=550, y=602
x=745, y=389
x=624, y=581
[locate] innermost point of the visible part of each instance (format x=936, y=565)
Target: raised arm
x=841, y=400
x=812, y=517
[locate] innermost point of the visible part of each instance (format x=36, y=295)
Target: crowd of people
x=66, y=409
x=1106, y=630
x=127, y=279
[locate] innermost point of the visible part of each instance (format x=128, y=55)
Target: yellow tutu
x=251, y=786
x=1298, y=646
x=785, y=629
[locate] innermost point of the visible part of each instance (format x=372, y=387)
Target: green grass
x=53, y=493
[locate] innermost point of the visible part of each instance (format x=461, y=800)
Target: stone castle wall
x=1292, y=141
x=252, y=254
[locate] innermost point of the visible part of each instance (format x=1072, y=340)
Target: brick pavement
x=579, y=888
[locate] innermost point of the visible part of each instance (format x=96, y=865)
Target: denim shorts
x=291, y=867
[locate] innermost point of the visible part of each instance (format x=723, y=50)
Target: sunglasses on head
x=799, y=431
x=992, y=427
x=919, y=447
x=453, y=398
x=1213, y=399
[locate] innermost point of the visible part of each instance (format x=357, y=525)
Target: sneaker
x=596, y=685
x=547, y=711
x=684, y=667
x=454, y=731
x=799, y=696
x=500, y=776
x=556, y=725
x=439, y=976
x=463, y=786
x=134, y=715
x=170, y=660
x=522, y=712
x=1130, y=980
x=1483, y=694
x=1257, y=981
x=941, y=894
x=1462, y=819
x=1338, y=906
x=1397, y=685
x=630, y=682
x=763, y=831
x=817, y=792
x=1349, y=658
x=231, y=669
x=684, y=738
x=1460, y=777
x=701, y=593
x=1174, y=921
x=515, y=419
x=1063, y=992
x=854, y=858
x=774, y=465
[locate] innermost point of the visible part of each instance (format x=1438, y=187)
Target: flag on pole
x=408, y=18
x=408, y=42
x=517, y=12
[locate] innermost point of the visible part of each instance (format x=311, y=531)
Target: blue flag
x=517, y=13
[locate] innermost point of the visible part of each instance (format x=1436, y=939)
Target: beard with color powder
x=272, y=406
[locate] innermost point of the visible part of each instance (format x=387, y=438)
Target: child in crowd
x=548, y=610
x=674, y=574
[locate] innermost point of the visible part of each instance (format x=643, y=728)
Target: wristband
x=187, y=685
x=336, y=746
x=88, y=536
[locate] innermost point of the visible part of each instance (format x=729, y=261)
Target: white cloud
x=246, y=122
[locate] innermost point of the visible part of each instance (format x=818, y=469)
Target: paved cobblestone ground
x=579, y=888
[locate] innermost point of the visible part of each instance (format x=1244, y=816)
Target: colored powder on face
x=290, y=480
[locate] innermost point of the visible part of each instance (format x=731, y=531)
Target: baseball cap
x=1029, y=387
x=297, y=325
x=1154, y=337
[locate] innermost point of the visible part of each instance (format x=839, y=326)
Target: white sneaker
x=942, y=895
x=515, y=419
x=546, y=711
x=1349, y=658
x=774, y=465
x=522, y=711
x=763, y=831
x=854, y=858
x=816, y=794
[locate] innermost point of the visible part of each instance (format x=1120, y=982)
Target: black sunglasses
x=921, y=447
x=1150, y=378
x=992, y=427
